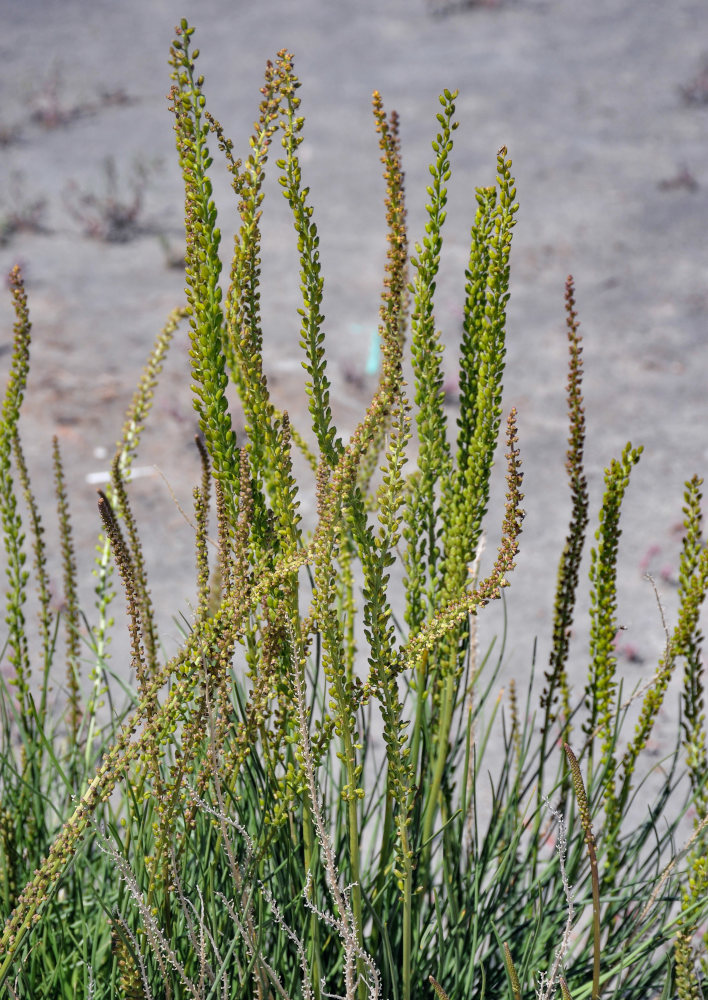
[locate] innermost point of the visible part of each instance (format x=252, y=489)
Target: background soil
x=604, y=109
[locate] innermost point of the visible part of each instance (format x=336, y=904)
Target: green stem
x=441, y=755
x=315, y=957
x=421, y=678
x=353, y=829
x=356, y=886
x=407, y=915
x=385, y=847
x=586, y=822
x=353, y=821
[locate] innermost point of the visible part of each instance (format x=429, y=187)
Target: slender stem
x=407, y=907
x=353, y=829
x=421, y=677
x=385, y=846
x=441, y=755
x=315, y=957
x=354, y=857
x=586, y=822
x=595, y=921
x=407, y=914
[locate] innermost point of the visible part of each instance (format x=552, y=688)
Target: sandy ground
x=605, y=113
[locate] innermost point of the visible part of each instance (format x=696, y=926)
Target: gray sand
x=610, y=157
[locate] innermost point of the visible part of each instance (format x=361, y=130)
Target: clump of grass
x=240, y=828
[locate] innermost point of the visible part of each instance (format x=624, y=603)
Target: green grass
x=238, y=829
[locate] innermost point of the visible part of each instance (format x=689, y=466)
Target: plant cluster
x=20, y=213
x=696, y=90
x=238, y=829
x=51, y=107
x=113, y=216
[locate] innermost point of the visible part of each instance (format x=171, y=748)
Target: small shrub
x=51, y=107
x=238, y=829
x=115, y=215
x=18, y=212
x=696, y=90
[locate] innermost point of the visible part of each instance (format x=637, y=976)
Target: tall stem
x=441, y=755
